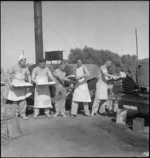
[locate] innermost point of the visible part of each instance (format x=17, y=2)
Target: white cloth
x=21, y=57
x=18, y=76
x=18, y=93
x=81, y=92
x=101, y=85
x=42, y=97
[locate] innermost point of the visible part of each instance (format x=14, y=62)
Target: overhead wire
x=23, y=19
x=56, y=32
x=32, y=18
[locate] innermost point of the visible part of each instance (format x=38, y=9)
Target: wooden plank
x=4, y=132
x=13, y=128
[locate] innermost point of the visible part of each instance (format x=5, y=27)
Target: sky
x=100, y=24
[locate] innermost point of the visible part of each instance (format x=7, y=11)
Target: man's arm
x=33, y=75
x=50, y=74
x=10, y=75
x=28, y=75
x=86, y=73
x=106, y=74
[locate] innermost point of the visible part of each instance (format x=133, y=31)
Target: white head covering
x=21, y=57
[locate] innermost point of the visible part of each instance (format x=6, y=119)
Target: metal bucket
x=138, y=124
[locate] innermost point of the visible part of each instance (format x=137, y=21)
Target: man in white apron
x=81, y=92
x=42, y=98
x=101, y=94
x=18, y=74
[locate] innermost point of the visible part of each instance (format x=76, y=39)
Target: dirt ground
x=81, y=137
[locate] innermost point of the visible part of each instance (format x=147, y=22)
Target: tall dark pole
x=137, y=56
x=38, y=30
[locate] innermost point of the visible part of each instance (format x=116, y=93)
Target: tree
x=74, y=54
x=98, y=57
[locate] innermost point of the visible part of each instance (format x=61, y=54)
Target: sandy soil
x=83, y=136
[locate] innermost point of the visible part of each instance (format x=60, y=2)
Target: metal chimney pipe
x=137, y=57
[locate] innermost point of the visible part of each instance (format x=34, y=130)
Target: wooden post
x=38, y=30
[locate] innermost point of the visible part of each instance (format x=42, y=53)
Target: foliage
x=98, y=57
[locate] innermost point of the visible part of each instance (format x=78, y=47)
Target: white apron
x=42, y=97
x=18, y=93
x=81, y=92
x=101, y=85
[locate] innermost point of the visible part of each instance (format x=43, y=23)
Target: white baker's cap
x=21, y=57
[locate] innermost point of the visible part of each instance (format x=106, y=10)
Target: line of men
x=42, y=98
